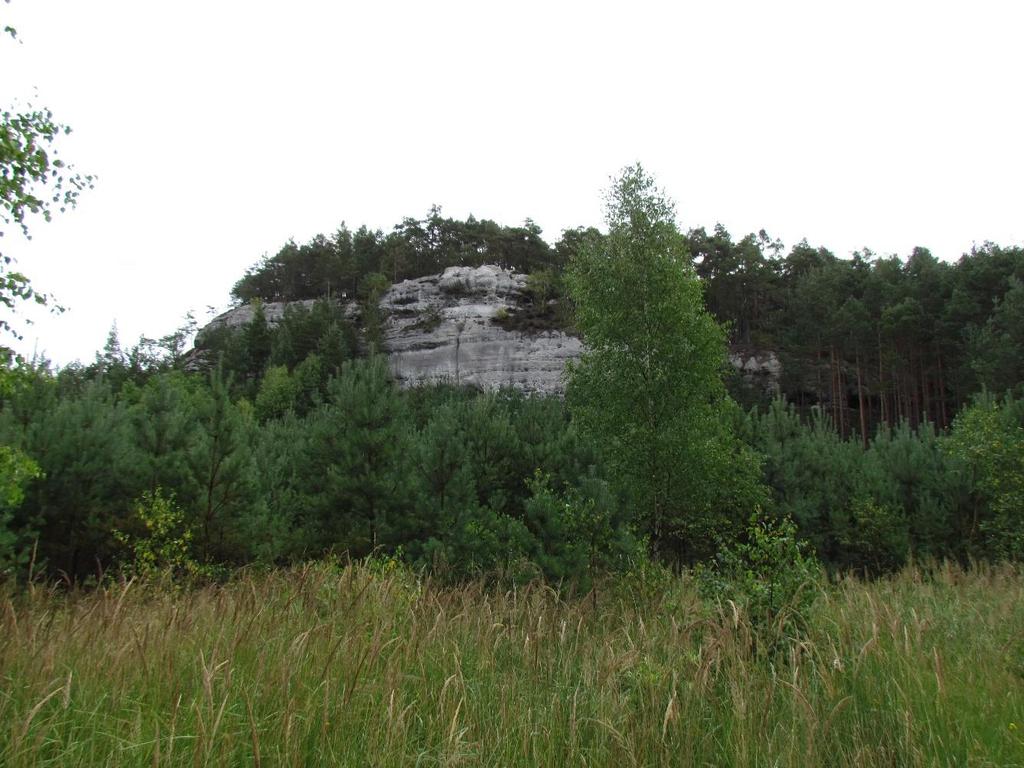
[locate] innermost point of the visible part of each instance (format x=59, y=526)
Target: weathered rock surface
x=442, y=328
x=239, y=317
x=762, y=369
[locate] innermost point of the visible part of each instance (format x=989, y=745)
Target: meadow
x=371, y=665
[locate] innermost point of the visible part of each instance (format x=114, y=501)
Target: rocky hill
x=450, y=328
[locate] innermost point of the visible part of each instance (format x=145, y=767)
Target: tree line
x=348, y=263
x=296, y=443
x=874, y=340
x=468, y=483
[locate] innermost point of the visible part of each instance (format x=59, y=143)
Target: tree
x=33, y=181
x=997, y=346
x=221, y=467
x=648, y=391
x=164, y=422
x=988, y=438
x=257, y=342
x=16, y=471
x=92, y=472
x=357, y=457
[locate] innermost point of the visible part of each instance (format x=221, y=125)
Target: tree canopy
x=34, y=181
x=648, y=389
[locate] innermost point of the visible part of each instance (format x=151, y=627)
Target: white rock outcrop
x=761, y=368
x=442, y=328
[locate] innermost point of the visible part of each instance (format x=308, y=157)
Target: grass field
x=330, y=665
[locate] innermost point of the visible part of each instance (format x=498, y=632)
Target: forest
x=263, y=549
x=259, y=543
x=895, y=436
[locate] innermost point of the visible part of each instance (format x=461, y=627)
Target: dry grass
x=326, y=665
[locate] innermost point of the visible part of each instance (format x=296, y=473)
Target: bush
x=16, y=471
x=770, y=577
x=875, y=537
x=481, y=543
x=167, y=545
x=988, y=439
x=579, y=533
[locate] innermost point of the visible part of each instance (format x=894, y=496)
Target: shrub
x=988, y=438
x=16, y=471
x=875, y=537
x=428, y=322
x=770, y=576
x=579, y=533
x=167, y=545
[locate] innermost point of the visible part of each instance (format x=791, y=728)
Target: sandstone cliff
x=443, y=328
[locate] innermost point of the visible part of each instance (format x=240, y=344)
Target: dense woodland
x=873, y=339
x=885, y=444
x=262, y=551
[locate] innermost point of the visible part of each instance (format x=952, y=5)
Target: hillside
x=873, y=339
x=479, y=327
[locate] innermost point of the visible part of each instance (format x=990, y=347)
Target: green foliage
x=281, y=525
x=278, y=394
x=34, y=181
x=770, y=576
x=357, y=455
x=996, y=347
x=164, y=420
x=320, y=328
x=648, y=390
x=988, y=437
x=293, y=449
x=467, y=483
x=864, y=508
x=543, y=286
x=16, y=471
x=373, y=287
x=166, y=546
x=580, y=532
x=481, y=543
x=874, y=537
x=221, y=472
x=257, y=342
x=546, y=306
x=480, y=507
x=346, y=265
x=870, y=340
x=84, y=447
x=907, y=471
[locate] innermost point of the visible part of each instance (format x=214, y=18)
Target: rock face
x=762, y=369
x=239, y=317
x=442, y=328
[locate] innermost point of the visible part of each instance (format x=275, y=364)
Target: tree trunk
x=860, y=405
x=943, y=417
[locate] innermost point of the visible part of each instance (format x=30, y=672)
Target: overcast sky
x=220, y=129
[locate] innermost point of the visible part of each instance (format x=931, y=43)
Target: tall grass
x=329, y=665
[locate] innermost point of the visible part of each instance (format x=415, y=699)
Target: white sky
x=220, y=129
